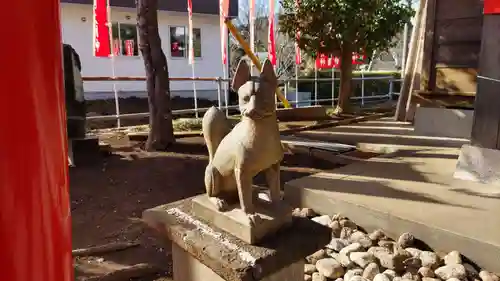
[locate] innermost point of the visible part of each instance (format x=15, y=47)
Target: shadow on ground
x=108, y=198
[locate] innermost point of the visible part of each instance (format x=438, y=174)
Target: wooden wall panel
x=455, y=9
x=468, y=29
x=462, y=80
x=463, y=55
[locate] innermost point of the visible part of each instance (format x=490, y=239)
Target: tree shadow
x=478, y=194
x=379, y=189
x=356, y=135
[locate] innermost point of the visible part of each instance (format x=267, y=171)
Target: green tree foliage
x=341, y=27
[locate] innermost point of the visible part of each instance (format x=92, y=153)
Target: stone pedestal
x=203, y=252
x=478, y=164
x=84, y=151
x=188, y=268
x=235, y=221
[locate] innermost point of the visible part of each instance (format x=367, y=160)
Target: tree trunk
x=161, y=133
x=345, y=79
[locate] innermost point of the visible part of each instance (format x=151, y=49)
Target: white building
x=77, y=30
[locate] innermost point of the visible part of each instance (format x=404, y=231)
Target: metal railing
x=223, y=99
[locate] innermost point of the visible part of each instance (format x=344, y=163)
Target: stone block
x=443, y=122
x=478, y=164
x=203, y=252
x=187, y=268
x=272, y=218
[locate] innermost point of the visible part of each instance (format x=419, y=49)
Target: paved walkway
x=411, y=189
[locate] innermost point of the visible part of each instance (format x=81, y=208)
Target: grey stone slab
x=478, y=164
x=226, y=255
x=444, y=122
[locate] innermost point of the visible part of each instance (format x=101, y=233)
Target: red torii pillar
x=35, y=223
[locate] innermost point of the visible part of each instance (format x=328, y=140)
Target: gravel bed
x=354, y=255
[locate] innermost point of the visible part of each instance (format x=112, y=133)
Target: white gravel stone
x=488, y=276
x=362, y=258
x=429, y=259
x=426, y=272
x=339, y=279
x=371, y=270
x=387, y=244
x=309, y=268
x=382, y=277
x=390, y=273
x=304, y=212
x=351, y=273
x=336, y=228
x=358, y=278
x=348, y=223
x=361, y=238
x=338, y=217
x=374, y=250
x=392, y=261
x=412, y=263
x=345, y=261
x=453, y=279
x=324, y=220
x=453, y=257
x=430, y=279
x=451, y=271
x=406, y=240
x=337, y=244
x=346, y=232
x=307, y=277
x=330, y=268
x=411, y=276
x=312, y=259
x=318, y=277
x=377, y=235
x=414, y=252
x=354, y=247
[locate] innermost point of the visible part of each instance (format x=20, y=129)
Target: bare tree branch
x=285, y=50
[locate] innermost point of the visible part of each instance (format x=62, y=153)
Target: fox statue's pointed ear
x=267, y=72
x=241, y=76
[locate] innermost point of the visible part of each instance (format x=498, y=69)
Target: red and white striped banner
x=298, y=55
x=117, y=47
x=223, y=13
x=271, y=43
x=102, y=41
x=191, y=34
x=129, y=47
x=251, y=22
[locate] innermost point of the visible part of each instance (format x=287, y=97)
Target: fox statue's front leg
x=245, y=194
x=213, y=181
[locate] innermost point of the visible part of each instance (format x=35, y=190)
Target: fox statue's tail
x=215, y=127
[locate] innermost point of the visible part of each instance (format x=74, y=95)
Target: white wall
x=79, y=34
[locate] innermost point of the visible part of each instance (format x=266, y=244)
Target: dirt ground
x=107, y=200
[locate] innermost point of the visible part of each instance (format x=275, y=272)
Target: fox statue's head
x=256, y=95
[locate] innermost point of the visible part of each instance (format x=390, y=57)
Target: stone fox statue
x=236, y=156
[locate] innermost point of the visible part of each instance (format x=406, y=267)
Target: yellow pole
x=252, y=56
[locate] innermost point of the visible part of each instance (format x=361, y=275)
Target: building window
x=124, y=41
x=179, y=38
